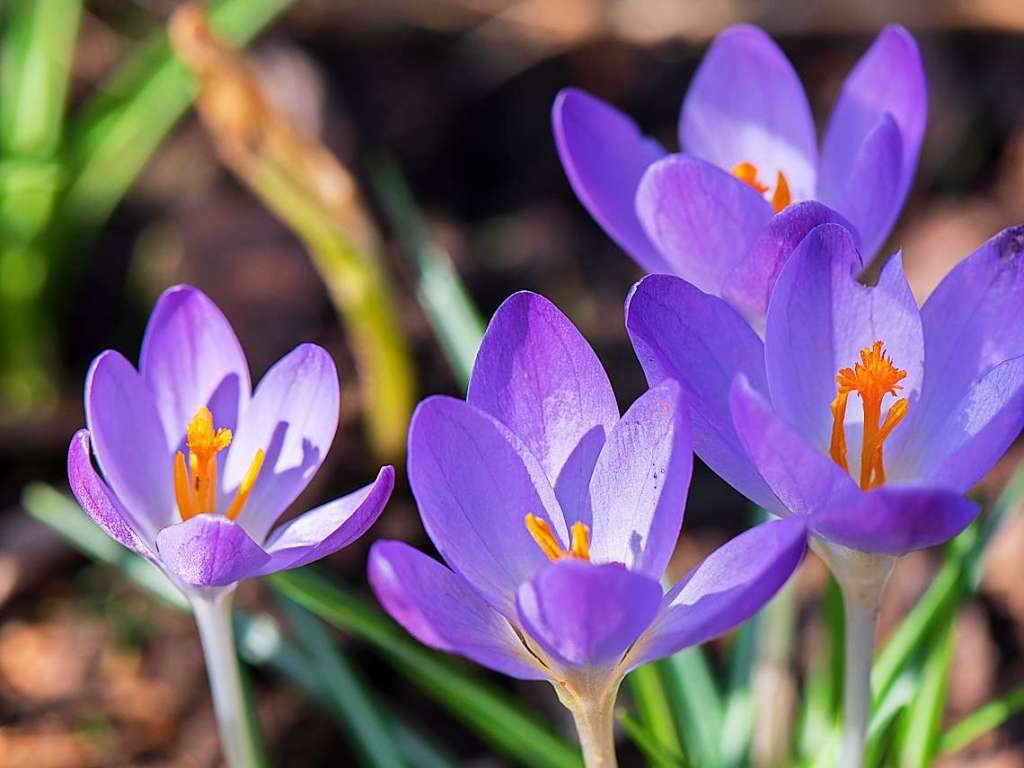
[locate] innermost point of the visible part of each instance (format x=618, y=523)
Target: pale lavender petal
x=750, y=284
x=585, y=615
x=702, y=219
x=292, y=417
x=537, y=375
x=129, y=442
x=99, y=502
x=971, y=324
x=870, y=196
x=191, y=358
x=725, y=589
x=889, y=79
x=746, y=104
x=974, y=434
x=475, y=483
x=604, y=155
x=892, y=520
x=639, y=487
x=440, y=609
x=328, y=528
x=680, y=333
x=820, y=318
x=209, y=551
x=804, y=478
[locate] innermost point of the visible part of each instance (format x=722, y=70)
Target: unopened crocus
x=556, y=519
x=196, y=468
x=860, y=413
x=750, y=181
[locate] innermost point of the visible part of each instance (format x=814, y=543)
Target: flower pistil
x=747, y=173
x=872, y=378
x=541, y=532
x=195, y=481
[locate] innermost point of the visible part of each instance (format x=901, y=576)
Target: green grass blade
x=922, y=719
x=114, y=135
x=344, y=691
x=478, y=704
x=983, y=720
x=738, y=700
x=696, y=703
x=654, y=713
x=453, y=316
x=657, y=754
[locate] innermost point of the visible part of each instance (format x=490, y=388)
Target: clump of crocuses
x=725, y=213
x=556, y=519
x=197, y=467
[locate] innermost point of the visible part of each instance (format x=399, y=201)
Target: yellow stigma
x=872, y=378
x=747, y=173
x=541, y=532
x=195, y=481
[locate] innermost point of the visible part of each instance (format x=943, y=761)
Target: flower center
x=747, y=173
x=548, y=543
x=195, y=482
x=872, y=378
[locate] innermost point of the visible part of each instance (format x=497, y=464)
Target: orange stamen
x=246, y=487
x=545, y=537
x=872, y=378
x=747, y=173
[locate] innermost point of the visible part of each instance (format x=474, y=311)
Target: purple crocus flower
x=859, y=413
x=726, y=213
x=197, y=467
x=556, y=519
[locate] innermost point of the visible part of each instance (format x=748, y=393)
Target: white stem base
x=592, y=704
x=213, y=618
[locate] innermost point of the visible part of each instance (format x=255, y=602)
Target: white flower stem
x=213, y=618
x=595, y=724
x=861, y=609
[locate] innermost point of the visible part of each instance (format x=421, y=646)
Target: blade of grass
x=922, y=719
x=983, y=720
x=822, y=691
x=453, y=316
x=650, y=698
x=347, y=695
x=477, y=703
x=738, y=701
x=696, y=704
x=656, y=752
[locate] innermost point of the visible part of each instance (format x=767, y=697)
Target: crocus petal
x=960, y=449
x=292, y=417
x=475, y=483
x=639, y=486
x=702, y=219
x=889, y=79
x=725, y=589
x=800, y=475
x=99, y=502
x=537, y=375
x=584, y=615
x=330, y=527
x=750, y=284
x=746, y=104
x=680, y=333
x=870, y=195
x=129, y=442
x=892, y=520
x=967, y=326
x=191, y=358
x=604, y=155
x=819, y=319
x=440, y=609
x=209, y=551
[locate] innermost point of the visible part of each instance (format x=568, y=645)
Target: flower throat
x=872, y=378
x=747, y=173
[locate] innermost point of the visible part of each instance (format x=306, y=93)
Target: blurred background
x=112, y=189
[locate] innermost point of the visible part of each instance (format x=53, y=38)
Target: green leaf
x=921, y=720
x=738, y=701
x=446, y=302
x=981, y=721
x=477, y=703
x=696, y=703
x=656, y=752
x=651, y=701
x=822, y=691
x=344, y=692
